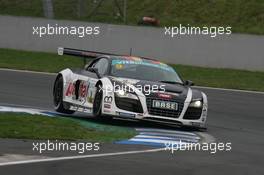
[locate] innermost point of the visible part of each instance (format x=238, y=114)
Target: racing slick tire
x=58, y=97
x=97, y=105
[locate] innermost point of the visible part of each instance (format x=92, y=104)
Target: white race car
x=128, y=87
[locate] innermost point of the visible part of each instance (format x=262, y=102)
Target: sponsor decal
x=90, y=98
x=123, y=114
x=139, y=61
x=108, y=99
x=107, y=111
x=82, y=89
x=70, y=90
x=165, y=105
x=108, y=106
x=196, y=124
x=126, y=81
x=167, y=96
x=140, y=115
x=133, y=58
x=80, y=109
x=119, y=66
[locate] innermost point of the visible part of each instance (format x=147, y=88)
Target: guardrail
x=236, y=51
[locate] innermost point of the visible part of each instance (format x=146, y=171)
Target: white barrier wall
x=234, y=51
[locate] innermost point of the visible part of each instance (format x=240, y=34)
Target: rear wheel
x=58, y=97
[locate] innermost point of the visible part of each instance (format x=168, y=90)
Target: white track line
x=202, y=87
x=163, y=138
x=79, y=157
x=155, y=141
x=168, y=135
x=207, y=137
x=164, y=131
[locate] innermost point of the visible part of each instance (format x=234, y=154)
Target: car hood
x=166, y=87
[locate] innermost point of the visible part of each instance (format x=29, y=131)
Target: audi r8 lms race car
x=128, y=87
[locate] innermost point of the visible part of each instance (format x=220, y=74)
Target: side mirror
x=188, y=83
x=94, y=70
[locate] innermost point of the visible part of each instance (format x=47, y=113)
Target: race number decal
x=70, y=90
x=83, y=90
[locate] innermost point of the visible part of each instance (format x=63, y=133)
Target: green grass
x=243, y=15
x=21, y=7
x=36, y=61
x=222, y=78
x=26, y=126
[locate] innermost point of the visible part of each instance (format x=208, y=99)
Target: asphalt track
x=236, y=117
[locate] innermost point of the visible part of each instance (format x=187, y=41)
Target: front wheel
x=97, y=104
x=58, y=97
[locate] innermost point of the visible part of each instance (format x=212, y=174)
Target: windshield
x=143, y=69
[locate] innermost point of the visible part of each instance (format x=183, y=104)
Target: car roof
x=128, y=57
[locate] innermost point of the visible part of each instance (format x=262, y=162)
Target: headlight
x=120, y=92
x=123, y=94
x=196, y=104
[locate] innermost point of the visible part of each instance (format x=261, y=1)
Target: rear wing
x=82, y=53
x=89, y=54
